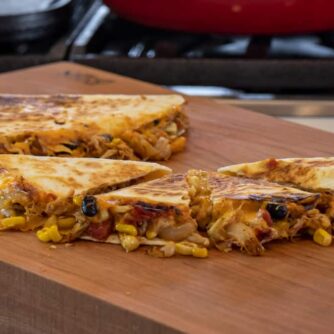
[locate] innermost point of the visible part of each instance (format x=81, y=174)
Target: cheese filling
x=24, y=210
x=157, y=140
x=137, y=223
x=326, y=204
x=250, y=224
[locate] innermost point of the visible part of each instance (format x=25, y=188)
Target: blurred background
x=271, y=56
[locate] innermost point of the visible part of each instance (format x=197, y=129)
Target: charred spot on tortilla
x=147, y=207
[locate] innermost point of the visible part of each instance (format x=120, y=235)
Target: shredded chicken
x=19, y=211
x=174, y=227
x=310, y=222
x=245, y=237
x=247, y=225
x=326, y=204
x=154, y=141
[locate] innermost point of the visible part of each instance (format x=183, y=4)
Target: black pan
x=29, y=20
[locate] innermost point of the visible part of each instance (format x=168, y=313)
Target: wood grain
x=94, y=288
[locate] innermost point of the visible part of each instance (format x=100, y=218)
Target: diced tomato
x=263, y=234
x=266, y=216
x=100, y=231
x=272, y=163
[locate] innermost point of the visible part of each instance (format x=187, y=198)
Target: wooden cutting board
x=94, y=288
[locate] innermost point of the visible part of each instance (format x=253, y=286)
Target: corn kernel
x=325, y=222
x=178, y=144
x=43, y=235
x=66, y=223
x=200, y=252
x=54, y=234
x=49, y=234
x=12, y=222
x=322, y=237
x=183, y=249
x=127, y=229
x=129, y=242
x=52, y=220
x=151, y=235
x=77, y=199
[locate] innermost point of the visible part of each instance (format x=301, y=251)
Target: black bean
x=89, y=207
x=156, y=122
x=277, y=211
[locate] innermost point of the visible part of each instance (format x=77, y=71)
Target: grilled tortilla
x=310, y=174
x=158, y=213
x=248, y=213
x=35, y=191
x=126, y=127
x=313, y=174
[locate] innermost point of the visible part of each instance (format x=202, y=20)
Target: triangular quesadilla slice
x=156, y=213
x=126, y=127
x=34, y=190
x=310, y=174
x=249, y=213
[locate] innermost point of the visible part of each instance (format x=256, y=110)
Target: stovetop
x=125, y=39
x=244, y=64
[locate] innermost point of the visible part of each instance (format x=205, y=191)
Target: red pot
x=230, y=16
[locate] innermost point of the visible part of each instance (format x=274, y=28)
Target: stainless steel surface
x=316, y=114
x=282, y=108
x=322, y=123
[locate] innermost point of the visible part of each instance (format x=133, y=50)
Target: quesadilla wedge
x=157, y=213
x=310, y=174
x=35, y=191
x=126, y=127
x=248, y=213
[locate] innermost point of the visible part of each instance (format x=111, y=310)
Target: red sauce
x=266, y=216
x=100, y=231
x=263, y=234
x=272, y=163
